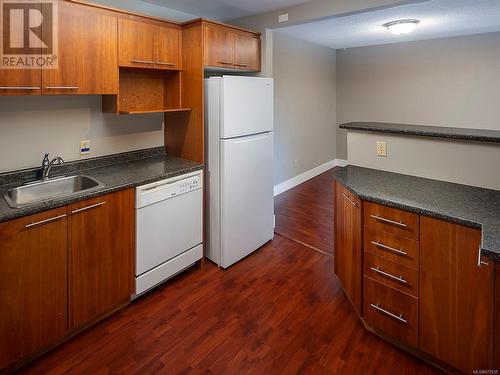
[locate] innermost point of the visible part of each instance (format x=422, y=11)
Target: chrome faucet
x=47, y=165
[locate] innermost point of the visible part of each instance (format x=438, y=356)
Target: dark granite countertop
x=468, y=205
x=481, y=135
x=117, y=172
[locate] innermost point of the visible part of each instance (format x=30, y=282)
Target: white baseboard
x=297, y=180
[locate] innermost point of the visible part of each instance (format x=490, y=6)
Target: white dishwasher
x=169, y=222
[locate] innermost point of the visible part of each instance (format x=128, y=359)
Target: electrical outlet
x=85, y=147
x=295, y=163
x=381, y=149
x=283, y=18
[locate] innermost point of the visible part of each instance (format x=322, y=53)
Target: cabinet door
x=456, y=296
x=101, y=256
x=247, y=52
x=87, y=53
x=347, y=254
x=136, y=44
x=33, y=284
x=19, y=81
x=219, y=47
x=167, y=51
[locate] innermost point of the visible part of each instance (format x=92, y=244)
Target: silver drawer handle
x=165, y=63
x=20, y=88
x=61, y=87
x=479, y=261
x=142, y=62
x=41, y=222
x=399, y=279
x=383, y=219
x=385, y=247
x=88, y=207
x=384, y=311
x=225, y=63
x=350, y=200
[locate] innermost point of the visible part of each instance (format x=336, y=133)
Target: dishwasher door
x=171, y=225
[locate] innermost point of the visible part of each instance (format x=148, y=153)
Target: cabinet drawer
x=394, y=248
x=392, y=274
x=391, y=312
x=392, y=220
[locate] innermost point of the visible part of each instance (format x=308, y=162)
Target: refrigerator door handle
x=249, y=138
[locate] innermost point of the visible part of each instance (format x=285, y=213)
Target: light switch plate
x=283, y=18
x=381, y=149
x=85, y=147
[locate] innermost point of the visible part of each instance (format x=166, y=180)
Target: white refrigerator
x=239, y=154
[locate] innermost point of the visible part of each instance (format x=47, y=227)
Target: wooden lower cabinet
x=392, y=274
x=61, y=270
x=348, y=254
x=100, y=256
x=391, y=312
x=456, y=296
x=33, y=279
x=497, y=317
x=426, y=286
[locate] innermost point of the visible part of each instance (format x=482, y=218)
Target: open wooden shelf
x=154, y=111
x=146, y=91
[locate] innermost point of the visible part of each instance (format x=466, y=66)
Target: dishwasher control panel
x=190, y=184
x=166, y=189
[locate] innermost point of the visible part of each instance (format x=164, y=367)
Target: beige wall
x=304, y=84
x=31, y=126
x=442, y=82
x=468, y=163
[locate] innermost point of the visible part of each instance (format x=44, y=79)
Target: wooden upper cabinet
x=147, y=45
x=230, y=48
x=456, y=296
x=20, y=81
x=101, y=256
x=247, y=52
x=33, y=279
x=347, y=252
x=219, y=47
x=135, y=43
x=168, y=44
x=87, y=53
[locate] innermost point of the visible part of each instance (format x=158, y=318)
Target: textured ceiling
x=225, y=9
x=439, y=18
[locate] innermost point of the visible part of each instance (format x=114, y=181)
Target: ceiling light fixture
x=400, y=27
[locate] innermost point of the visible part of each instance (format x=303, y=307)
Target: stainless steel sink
x=51, y=189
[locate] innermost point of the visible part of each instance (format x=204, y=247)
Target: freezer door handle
x=252, y=138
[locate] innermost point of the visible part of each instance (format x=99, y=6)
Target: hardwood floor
x=305, y=213
x=279, y=311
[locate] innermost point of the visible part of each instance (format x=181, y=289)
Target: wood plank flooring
x=279, y=311
x=305, y=213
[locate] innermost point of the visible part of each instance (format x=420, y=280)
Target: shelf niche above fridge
x=146, y=91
